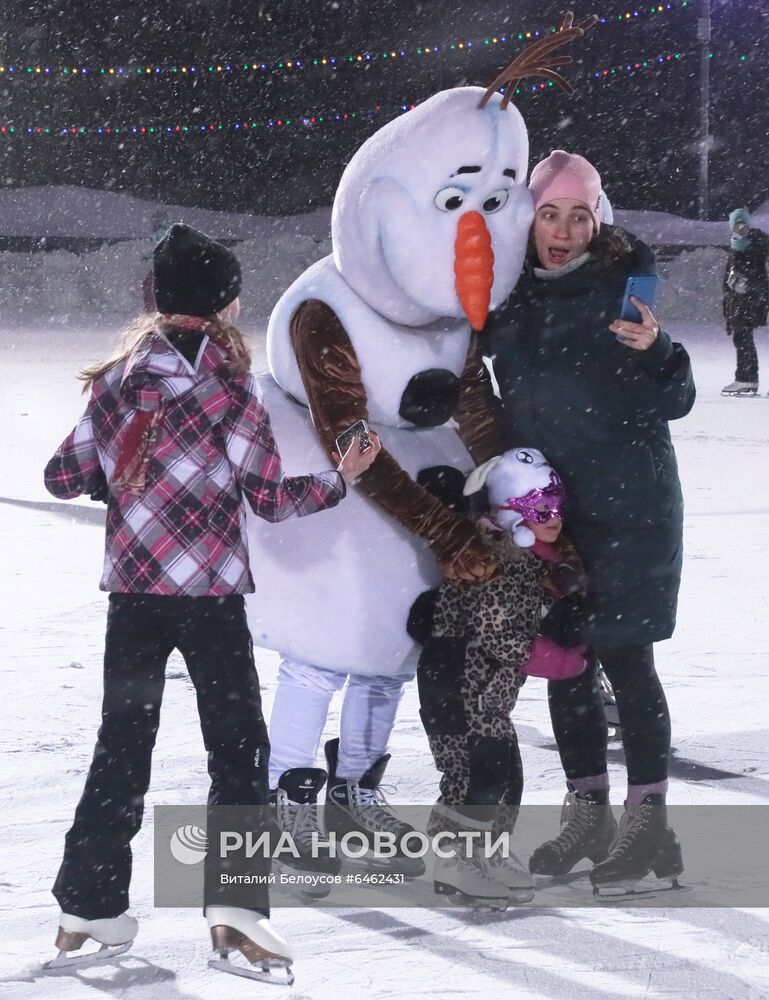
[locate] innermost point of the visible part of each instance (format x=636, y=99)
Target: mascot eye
x=496, y=201
x=524, y=456
x=449, y=199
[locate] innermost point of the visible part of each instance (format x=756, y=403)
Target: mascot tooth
x=429, y=231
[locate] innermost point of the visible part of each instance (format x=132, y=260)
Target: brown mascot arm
x=332, y=380
x=478, y=412
x=566, y=577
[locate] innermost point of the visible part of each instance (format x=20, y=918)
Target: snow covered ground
x=715, y=670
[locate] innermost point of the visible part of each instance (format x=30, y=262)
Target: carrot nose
x=474, y=268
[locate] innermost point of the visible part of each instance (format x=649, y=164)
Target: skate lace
x=477, y=866
x=578, y=823
x=300, y=819
x=305, y=823
x=630, y=826
x=497, y=862
x=379, y=814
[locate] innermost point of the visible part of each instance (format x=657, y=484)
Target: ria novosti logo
x=188, y=844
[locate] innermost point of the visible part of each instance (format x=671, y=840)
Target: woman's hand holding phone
x=356, y=460
x=639, y=336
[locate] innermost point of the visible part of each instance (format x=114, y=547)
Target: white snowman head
x=518, y=482
x=432, y=214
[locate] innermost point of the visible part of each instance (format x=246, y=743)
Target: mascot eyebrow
x=507, y=172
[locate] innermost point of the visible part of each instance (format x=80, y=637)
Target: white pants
x=300, y=710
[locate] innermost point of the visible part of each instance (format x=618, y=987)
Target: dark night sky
x=640, y=129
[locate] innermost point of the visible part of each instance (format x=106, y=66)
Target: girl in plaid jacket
x=174, y=437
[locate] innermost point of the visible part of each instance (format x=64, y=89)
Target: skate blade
x=63, y=961
x=744, y=393
x=634, y=888
x=482, y=904
x=517, y=897
x=262, y=973
x=458, y=898
x=314, y=892
x=409, y=868
x=544, y=881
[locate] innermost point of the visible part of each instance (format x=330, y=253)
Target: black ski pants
x=579, y=724
x=212, y=635
x=747, y=356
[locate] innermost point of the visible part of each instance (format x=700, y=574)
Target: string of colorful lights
x=248, y=67
x=243, y=126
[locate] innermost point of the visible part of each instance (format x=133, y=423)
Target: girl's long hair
x=224, y=334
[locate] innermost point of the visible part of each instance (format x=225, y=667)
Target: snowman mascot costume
x=429, y=229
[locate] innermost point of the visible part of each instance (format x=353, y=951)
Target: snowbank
x=67, y=211
x=108, y=280
x=690, y=291
x=273, y=251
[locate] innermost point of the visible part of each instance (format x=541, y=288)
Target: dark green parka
x=599, y=411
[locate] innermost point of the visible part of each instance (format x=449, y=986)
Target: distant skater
x=746, y=299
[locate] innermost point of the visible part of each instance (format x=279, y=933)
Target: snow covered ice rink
x=715, y=670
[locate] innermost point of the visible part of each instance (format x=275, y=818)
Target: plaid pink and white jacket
x=184, y=532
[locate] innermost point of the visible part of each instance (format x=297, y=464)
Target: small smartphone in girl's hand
x=643, y=287
x=360, y=430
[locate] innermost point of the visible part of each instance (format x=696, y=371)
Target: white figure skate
x=510, y=871
x=246, y=931
x=740, y=389
x=114, y=934
x=468, y=883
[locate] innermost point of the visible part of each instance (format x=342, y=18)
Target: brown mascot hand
x=474, y=563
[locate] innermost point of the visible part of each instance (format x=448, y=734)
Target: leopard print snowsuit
x=469, y=676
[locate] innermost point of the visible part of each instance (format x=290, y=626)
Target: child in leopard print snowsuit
x=486, y=638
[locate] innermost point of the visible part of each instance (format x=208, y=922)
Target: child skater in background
x=175, y=430
x=483, y=641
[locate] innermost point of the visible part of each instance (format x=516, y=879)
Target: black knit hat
x=192, y=274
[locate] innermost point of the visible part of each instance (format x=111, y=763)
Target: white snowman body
x=334, y=589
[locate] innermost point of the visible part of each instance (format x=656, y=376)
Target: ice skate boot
x=295, y=811
x=511, y=872
x=250, y=933
x=645, y=843
x=361, y=806
x=588, y=829
x=114, y=934
x=738, y=388
x=468, y=882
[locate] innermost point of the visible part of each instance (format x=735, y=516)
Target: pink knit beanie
x=567, y=175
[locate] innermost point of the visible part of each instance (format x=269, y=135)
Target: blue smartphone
x=643, y=287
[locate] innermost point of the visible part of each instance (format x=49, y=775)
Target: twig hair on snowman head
x=538, y=59
x=520, y=483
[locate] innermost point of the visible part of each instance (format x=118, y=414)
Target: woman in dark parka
x=595, y=394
